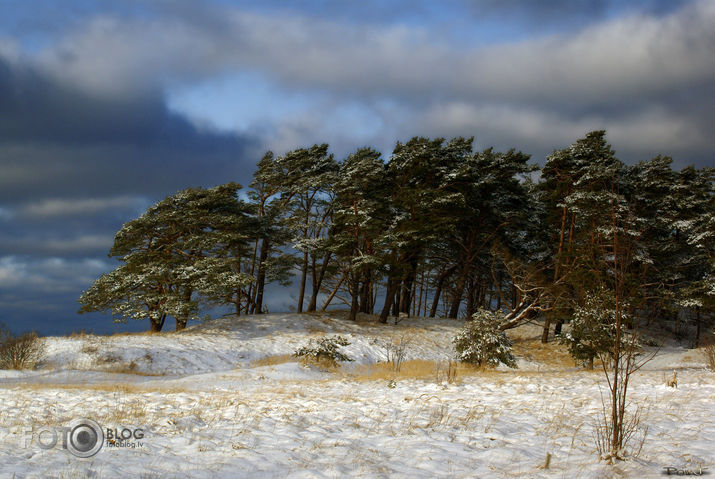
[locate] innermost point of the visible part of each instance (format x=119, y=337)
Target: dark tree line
x=436, y=229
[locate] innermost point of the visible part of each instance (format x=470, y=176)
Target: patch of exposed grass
x=139, y=333
x=273, y=360
x=550, y=354
x=416, y=369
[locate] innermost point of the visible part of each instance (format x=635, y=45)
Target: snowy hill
x=227, y=399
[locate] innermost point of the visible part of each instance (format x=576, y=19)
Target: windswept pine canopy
x=436, y=229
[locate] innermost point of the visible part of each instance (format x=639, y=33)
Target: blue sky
x=108, y=106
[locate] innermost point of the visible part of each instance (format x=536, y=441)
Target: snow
x=209, y=407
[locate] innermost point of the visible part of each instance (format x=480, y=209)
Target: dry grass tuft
x=550, y=354
x=439, y=371
x=83, y=333
x=107, y=387
x=708, y=352
x=140, y=333
x=324, y=364
x=273, y=360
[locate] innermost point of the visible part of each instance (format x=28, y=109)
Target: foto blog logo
x=82, y=437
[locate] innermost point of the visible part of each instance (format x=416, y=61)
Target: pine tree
x=579, y=185
x=417, y=171
x=362, y=213
x=695, y=229
x=269, y=262
x=308, y=175
x=184, y=249
x=481, y=200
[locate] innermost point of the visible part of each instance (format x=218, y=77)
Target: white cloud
x=76, y=245
x=86, y=206
x=617, y=57
x=651, y=129
x=49, y=275
x=636, y=74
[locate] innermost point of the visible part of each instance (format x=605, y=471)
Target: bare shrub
x=395, y=351
x=709, y=354
x=109, y=358
x=90, y=349
x=633, y=434
x=19, y=352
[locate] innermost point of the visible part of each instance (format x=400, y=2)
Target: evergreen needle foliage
x=324, y=350
x=436, y=228
x=482, y=343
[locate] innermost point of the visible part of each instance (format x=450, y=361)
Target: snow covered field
x=224, y=399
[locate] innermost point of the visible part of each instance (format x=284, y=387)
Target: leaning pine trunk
x=157, y=323
x=457, y=300
x=388, y=301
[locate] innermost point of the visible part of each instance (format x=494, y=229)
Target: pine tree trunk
x=317, y=284
x=261, y=277
x=545, y=331
x=355, y=293
x=182, y=321
x=482, y=289
x=422, y=290
x=405, y=297
x=303, y=279
x=697, y=327
x=364, y=293
x=158, y=323
x=557, y=328
x=471, y=294
x=389, y=296
x=396, y=298
x=438, y=291
x=333, y=293
x=250, y=298
x=458, y=290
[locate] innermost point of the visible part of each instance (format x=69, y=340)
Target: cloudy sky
x=108, y=106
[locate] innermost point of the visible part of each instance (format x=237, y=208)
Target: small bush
x=634, y=433
x=19, y=352
x=593, y=329
x=395, y=351
x=482, y=343
x=324, y=350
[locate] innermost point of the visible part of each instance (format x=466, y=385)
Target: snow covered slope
x=225, y=399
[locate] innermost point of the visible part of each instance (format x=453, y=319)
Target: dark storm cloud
x=74, y=166
x=60, y=141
